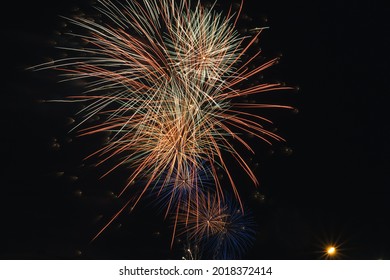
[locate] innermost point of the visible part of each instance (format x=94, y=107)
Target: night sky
x=328, y=184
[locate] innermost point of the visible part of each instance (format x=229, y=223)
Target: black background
x=329, y=183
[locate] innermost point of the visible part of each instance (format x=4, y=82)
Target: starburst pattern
x=165, y=77
x=222, y=228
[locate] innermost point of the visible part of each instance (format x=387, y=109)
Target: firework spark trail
x=164, y=75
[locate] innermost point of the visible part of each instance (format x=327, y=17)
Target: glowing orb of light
x=331, y=250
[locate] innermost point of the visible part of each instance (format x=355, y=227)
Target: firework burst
x=221, y=228
x=164, y=77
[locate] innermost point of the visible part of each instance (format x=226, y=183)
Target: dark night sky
x=334, y=186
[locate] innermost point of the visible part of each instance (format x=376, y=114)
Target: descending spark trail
x=165, y=76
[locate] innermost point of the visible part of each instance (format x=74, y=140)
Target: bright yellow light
x=331, y=251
